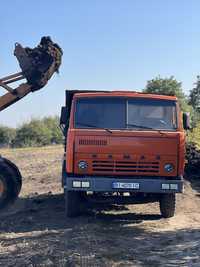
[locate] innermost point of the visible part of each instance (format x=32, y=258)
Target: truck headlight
x=82, y=165
x=169, y=167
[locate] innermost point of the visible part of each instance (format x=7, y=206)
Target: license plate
x=118, y=185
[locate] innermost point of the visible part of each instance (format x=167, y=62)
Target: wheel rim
x=2, y=188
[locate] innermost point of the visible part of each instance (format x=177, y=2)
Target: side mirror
x=64, y=116
x=186, y=121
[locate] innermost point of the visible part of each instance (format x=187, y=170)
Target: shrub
x=7, y=135
x=194, y=135
x=38, y=133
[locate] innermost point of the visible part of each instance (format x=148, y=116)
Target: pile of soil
x=192, y=167
x=40, y=63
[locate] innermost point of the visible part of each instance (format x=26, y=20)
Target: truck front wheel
x=72, y=203
x=167, y=205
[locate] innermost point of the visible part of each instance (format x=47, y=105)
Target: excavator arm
x=38, y=65
x=13, y=95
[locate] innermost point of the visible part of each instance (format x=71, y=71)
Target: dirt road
x=34, y=232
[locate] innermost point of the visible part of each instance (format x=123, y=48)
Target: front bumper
x=103, y=184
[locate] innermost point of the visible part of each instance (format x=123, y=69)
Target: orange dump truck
x=122, y=147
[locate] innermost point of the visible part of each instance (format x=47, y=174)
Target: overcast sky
x=108, y=44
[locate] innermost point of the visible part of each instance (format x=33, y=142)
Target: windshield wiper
x=140, y=126
x=145, y=127
x=94, y=126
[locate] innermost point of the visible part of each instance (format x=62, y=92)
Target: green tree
x=7, y=135
x=39, y=133
x=52, y=123
x=34, y=133
x=194, y=135
x=167, y=86
x=194, y=97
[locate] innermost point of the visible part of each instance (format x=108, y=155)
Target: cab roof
x=123, y=94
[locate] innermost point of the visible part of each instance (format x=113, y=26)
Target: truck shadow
x=39, y=233
x=127, y=218
x=46, y=211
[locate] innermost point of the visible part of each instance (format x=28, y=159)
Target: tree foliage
x=167, y=86
x=37, y=132
x=194, y=97
x=32, y=134
x=194, y=135
x=7, y=135
x=52, y=124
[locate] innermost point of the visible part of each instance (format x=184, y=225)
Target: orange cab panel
x=119, y=155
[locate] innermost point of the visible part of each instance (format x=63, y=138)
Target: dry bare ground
x=35, y=232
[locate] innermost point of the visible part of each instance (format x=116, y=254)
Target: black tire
x=9, y=184
x=72, y=203
x=14, y=174
x=167, y=205
x=4, y=191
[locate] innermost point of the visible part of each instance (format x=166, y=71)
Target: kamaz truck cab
x=122, y=147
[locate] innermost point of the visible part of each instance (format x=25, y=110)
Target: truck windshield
x=126, y=113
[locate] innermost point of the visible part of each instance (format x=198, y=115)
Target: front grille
x=92, y=142
x=125, y=166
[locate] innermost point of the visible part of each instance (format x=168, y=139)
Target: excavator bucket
x=37, y=64
x=40, y=63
